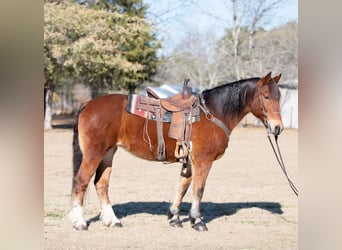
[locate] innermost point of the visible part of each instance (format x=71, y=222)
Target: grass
x=55, y=214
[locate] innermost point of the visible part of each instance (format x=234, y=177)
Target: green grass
x=54, y=214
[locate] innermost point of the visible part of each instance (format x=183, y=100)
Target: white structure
x=289, y=107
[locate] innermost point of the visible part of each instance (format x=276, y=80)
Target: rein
x=276, y=153
x=211, y=117
x=281, y=162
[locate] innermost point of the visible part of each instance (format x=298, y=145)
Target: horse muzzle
x=275, y=127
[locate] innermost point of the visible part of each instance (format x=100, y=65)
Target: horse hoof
x=169, y=215
x=117, y=224
x=200, y=227
x=176, y=223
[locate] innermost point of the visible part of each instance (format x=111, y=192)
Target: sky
x=175, y=19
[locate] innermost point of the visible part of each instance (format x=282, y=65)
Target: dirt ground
x=247, y=202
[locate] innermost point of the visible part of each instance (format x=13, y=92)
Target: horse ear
x=277, y=78
x=266, y=79
x=268, y=76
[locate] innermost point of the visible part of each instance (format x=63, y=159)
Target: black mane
x=230, y=97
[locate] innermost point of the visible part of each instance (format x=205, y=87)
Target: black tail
x=77, y=153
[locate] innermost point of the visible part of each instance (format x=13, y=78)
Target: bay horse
x=103, y=124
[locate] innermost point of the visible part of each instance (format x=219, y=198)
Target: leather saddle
x=184, y=111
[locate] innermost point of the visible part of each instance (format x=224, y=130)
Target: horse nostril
x=277, y=130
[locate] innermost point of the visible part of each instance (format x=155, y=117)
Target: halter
x=276, y=153
x=263, y=111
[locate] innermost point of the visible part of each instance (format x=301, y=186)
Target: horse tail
x=77, y=153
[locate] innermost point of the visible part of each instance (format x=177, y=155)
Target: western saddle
x=183, y=110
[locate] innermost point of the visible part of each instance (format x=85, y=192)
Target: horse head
x=266, y=103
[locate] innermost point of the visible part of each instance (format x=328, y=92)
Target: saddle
x=180, y=110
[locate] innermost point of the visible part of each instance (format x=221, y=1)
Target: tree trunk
x=236, y=37
x=131, y=88
x=48, y=109
x=251, y=34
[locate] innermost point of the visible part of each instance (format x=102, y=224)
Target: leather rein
x=281, y=162
x=276, y=153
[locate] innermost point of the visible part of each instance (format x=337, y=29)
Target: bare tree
x=236, y=38
x=276, y=50
x=192, y=58
x=259, y=11
x=47, y=109
x=246, y=50
x=251, y=15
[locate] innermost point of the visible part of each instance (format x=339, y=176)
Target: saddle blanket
x=148, y=107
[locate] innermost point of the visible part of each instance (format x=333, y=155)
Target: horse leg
x=101, y=183
x=183, y=185
x=200, y=174
x=81, y=181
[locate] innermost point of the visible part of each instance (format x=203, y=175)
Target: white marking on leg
x=108, y=216
x=174, y=210
x=76, y=216
x=194, y=212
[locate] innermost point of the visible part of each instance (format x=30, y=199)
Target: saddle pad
x=134, y=107
x=138, y=105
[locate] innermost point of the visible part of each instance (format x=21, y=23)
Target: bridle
x=263, y=111
x=276, y=153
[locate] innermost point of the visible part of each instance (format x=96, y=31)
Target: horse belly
x=140, y=138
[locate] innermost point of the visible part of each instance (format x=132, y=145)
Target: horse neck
x=231, y=102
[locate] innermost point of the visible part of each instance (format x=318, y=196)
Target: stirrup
x=181, y=147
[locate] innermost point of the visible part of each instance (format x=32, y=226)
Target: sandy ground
x=247, y=202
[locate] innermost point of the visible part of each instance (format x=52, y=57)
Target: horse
x=103, y=124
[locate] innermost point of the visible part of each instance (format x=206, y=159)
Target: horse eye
x=267, y=97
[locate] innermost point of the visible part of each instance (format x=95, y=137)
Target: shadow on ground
x=210, y=210
x=63, y=121
x=63, y=126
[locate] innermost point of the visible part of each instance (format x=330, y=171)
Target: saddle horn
x=187, y=90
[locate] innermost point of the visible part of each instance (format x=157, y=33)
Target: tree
x=192, y=58
x=142, y=50
x=196, y=57
x=100, y=48
x=129, y=7
x=275, y=50
x=249, y=15
x=235, y=56
x=259, y=12
x=97, y=46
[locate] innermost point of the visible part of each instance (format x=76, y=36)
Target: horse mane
x=230, y=97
